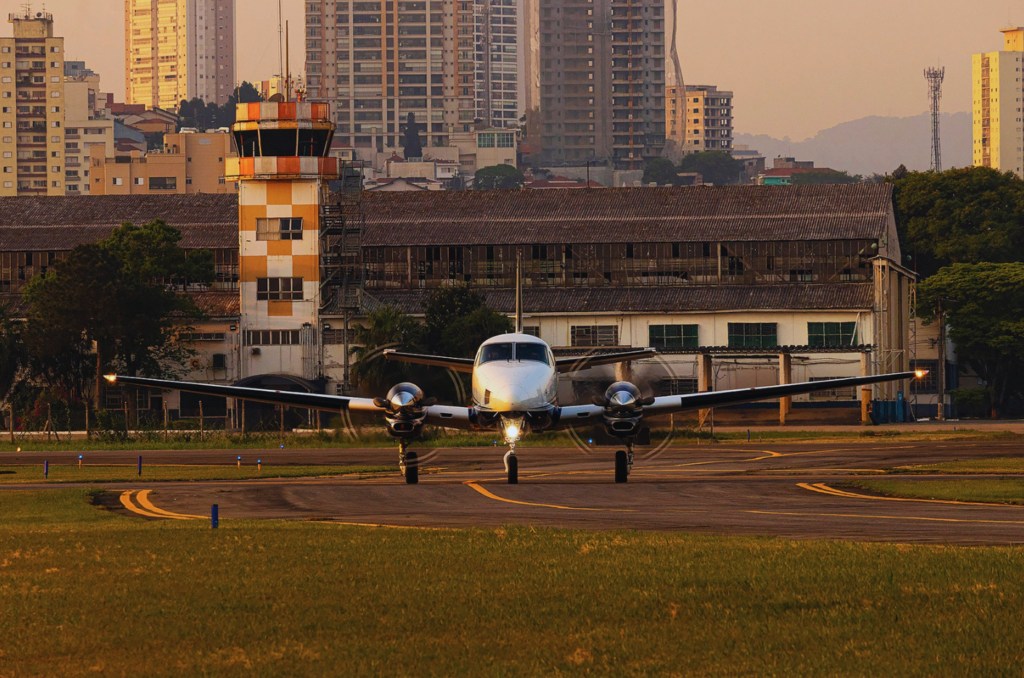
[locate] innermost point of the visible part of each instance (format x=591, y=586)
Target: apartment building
x=87, y=124
x=997, y=107
x=179, y=49
x=31, y=107
x=500, y=54
x=376, y=62
x=190, y=162
x=602, y=77
x=700, y=119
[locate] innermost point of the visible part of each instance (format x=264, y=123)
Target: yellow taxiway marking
x=491, y=495
x=857, y=515
x=143, y=499
x=825, y=489
x=126, y=501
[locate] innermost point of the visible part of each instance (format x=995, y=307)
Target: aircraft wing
x=457, y=364
x=583, y=362
x=313, y=401
x=441, y=415
x=701, y=401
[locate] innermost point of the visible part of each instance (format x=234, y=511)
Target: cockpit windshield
x=508, y=352
x=534, y=352
x=493, y=352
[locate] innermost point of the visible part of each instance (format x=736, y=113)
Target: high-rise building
x=179, y=49
x=376, y=62
x=602, y=77
x=998, y=140
x=500, y=52
x=700, y=119
x=32, y=108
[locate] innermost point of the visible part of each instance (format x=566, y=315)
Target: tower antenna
x=935, y=76
x=280, y=39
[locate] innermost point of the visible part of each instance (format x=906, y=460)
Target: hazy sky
x=796, y=66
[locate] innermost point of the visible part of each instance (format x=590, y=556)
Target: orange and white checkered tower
x=282, y=169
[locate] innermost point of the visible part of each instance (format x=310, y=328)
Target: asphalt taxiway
x=786, y=490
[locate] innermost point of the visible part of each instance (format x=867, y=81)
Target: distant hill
x=875, y=144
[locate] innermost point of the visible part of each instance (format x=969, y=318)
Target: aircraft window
x=492, y=352
x=535, y=352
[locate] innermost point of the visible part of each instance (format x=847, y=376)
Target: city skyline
x=767, y=69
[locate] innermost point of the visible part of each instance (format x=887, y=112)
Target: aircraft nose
x=509, y=399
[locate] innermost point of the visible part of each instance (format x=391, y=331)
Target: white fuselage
x=514, y=373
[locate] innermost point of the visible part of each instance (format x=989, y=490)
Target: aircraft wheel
x=513, y=469
x=621, y=467
x=412, y=469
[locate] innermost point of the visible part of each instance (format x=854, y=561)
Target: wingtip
x=110, y=377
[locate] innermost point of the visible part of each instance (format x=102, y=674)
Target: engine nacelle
x=623, y=409
x=405, y=410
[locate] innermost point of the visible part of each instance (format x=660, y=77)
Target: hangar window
x=673, y=336
x=594, y=335
x=831, y=334
x=753, y=335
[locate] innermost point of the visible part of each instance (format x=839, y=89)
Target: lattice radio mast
x=935, y=76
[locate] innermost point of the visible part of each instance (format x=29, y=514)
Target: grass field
x=986, y=466
x=113, y=474
x=87, y=592
x=990, y=490
x=374, y=438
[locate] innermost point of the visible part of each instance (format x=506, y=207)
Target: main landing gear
x=408, y=463
x=623, y=463
x=512, y=465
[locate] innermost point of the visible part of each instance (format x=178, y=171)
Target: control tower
x=283, y=169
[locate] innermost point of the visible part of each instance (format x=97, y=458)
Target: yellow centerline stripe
x=143, y=499
x=491, y=495
x=126, y=501
x=855, y=515
x=825, y=489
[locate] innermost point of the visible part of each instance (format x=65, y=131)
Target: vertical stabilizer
x=519, y=291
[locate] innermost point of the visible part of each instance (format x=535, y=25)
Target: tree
x=413, y=147
x=463, y=336
x=984, y=307
x=960, y=216
x=125, y=294
x=386, y=327
x=497, y=177
x=716, y=167
x=444, y=305
x=208, y=115
x=661, y=171
x=12, y=351
x=829, y=177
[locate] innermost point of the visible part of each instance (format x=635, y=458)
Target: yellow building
x=179, y=49
x=85, y=125
x=998, y=140
x=190, y=163
x=32, y=108
x=699, y=119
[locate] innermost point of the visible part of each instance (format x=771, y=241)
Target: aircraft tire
x=513, y=470
x=621, y=467
x=412, y=469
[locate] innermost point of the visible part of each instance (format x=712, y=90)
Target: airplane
x=515, y=380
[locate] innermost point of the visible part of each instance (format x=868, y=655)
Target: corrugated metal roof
x=688, y=214
x=60, y=223
x=795, y=296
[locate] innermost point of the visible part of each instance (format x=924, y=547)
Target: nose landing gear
x=512, y=465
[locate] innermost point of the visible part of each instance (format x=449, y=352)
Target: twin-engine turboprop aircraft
x=515, y=380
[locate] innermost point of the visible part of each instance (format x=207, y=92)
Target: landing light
x=512, y=429
x=110, y=377
x=920, y=374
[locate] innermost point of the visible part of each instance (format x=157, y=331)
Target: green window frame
x=832, y=334
x=753, y=335
x=673, y=336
